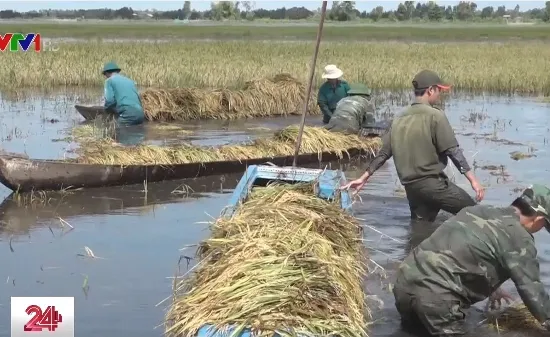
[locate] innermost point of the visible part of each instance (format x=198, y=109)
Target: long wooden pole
x=310, y=83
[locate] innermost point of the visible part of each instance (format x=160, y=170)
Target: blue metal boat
x=327, y=184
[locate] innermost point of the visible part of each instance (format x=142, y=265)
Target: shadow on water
x=139, y=234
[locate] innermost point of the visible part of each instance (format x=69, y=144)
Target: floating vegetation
x=314, y=140
x=285, y=262
x=518, y=155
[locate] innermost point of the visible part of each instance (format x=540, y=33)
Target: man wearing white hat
x=332, y=91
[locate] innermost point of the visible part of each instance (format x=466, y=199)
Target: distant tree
x=435, y=12
x=376, y=13
x=186, y=11
x=342, y=11
x=225, y=10
x=501, y=11
x=195, y=15
x=125, y=13
x=449, y=14
x=487, y=12
x=547, y=17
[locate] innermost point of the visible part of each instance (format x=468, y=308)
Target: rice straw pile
x=285, y=262
x=280, y=96
x=515, y=318
x=314, y=140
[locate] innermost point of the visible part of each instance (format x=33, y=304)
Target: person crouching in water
x=468, y=258
x=353, y=112
x=122, y=97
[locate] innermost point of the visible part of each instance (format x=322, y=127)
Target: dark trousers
x=430, y=195
x=430, y=314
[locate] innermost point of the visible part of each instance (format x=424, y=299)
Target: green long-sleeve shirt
x=329, y=96
x=121, y=94
x=470, y=255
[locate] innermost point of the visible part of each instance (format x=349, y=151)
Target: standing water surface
x=138, y=234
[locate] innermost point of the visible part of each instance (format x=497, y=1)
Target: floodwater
x=139, y=234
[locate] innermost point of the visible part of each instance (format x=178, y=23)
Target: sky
x=24, y=6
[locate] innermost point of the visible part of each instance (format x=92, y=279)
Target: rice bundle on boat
x=285, y=262
x=314, y=140
x=515, y=318
x=280, y=96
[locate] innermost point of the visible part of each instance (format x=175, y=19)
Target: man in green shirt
x=353, y=112
x=420, y=141
x=331, y=92
x=468, y=258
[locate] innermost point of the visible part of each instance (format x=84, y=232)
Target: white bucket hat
x=332, y=72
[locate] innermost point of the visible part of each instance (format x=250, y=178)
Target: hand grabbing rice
x=496, y=299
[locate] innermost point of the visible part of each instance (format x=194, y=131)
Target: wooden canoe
x=23, y=175
x=91, y=112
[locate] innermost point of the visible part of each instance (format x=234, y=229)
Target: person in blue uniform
x=122, y=97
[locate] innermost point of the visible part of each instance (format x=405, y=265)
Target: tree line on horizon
x=340, y=11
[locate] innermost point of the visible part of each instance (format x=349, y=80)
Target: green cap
x=359, y=89
x=428, y=78
x=538, y=196
x=110, y=66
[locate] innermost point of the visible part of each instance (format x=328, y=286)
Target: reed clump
x=515, y=317
x=281, y=95
x=285, y=262
x=314, y=140
x=481, y=66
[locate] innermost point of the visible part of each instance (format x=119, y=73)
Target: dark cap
x=538, y=196
x=426, y=79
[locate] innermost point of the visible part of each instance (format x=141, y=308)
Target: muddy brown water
x=139, y=234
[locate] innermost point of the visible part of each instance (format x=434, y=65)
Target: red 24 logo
x=49, y=319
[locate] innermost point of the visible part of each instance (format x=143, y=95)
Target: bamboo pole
x=310, y=83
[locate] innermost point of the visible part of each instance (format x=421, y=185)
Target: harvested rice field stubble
x=286, y=30
x=314, y=140
x=215, y=64
x=285, y=262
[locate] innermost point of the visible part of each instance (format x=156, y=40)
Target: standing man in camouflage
x=353, y=112
x=468, y=258
x=420, y=141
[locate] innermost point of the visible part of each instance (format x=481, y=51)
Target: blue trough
x=327, y=187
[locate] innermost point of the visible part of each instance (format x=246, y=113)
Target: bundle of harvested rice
x=314, y=140
x=515, y=318
x=285, y=262
x=280, y=96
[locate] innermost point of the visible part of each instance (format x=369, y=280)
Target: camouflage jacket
x=351, y=114
x=470, y=255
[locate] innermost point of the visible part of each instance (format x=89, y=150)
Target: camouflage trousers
x=430, y=314
x=430, y=195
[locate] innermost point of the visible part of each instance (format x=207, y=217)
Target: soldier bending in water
x=468, y=258
x=353, y=112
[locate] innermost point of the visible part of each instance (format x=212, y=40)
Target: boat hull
x=22, y=175
x=90, y=112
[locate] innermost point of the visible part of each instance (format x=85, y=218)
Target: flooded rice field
x=139, y=234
